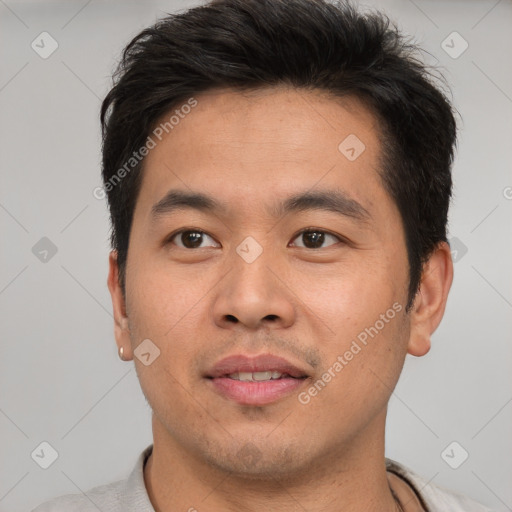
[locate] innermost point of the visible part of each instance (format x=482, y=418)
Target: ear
x=121, y=329
x=430, y=301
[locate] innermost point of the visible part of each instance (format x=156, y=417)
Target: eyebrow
x=328, y=200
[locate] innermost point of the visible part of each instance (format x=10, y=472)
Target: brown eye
x=314, y=238
x=190, y=239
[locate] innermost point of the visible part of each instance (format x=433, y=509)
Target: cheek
x=364, y=312
x=351, y=296
x=361, y=370
x=162, y=310
x=162, y=299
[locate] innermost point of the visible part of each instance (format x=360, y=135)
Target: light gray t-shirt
x=130, y=495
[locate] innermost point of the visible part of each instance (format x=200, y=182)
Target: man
x=278, y=177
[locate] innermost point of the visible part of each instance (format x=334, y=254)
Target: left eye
x=314, y=238
x=191, y=239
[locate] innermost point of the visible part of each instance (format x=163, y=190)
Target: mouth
x=257, y=381
x=262, y=376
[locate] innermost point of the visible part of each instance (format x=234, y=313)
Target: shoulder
x=104, y=497
x=129, y=495
x=436, y=498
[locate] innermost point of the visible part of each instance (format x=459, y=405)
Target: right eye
x=190, y=238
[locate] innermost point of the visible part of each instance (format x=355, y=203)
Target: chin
x=259, y=460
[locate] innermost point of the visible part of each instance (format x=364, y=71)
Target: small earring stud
x=121, y=353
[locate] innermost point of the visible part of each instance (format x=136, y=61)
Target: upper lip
x=261, y=363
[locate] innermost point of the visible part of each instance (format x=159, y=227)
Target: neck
x=345, y=479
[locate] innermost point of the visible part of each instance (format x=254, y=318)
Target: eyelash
x=171, y=237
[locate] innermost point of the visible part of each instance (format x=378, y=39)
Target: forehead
x=262, y=144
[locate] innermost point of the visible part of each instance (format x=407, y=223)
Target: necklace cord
x=397, y=501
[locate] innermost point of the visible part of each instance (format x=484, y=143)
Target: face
x=320, y=282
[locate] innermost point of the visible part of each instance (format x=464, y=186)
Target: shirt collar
x=134, y=496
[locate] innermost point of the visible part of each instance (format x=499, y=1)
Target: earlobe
x=121, y=329
x=430, y=301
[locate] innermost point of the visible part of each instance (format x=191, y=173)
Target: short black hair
x=318, y=45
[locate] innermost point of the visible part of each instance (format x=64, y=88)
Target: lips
x=262, y=363
x=255, y=381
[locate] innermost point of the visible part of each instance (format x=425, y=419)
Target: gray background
x=60, y=378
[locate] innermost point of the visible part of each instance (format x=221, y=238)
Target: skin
x=252, y=150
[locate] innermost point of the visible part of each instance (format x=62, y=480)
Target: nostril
x=271, y=317
x=232, y=318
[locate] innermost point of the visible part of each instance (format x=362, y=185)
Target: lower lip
x=256, y=393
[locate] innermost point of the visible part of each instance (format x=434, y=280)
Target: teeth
x=255, y=376
x=245, y=376
x=261, y=375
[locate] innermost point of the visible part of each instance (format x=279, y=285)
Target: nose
x=254, y=295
